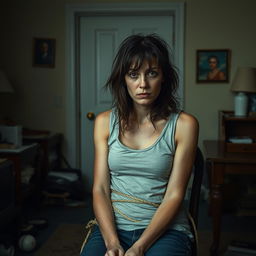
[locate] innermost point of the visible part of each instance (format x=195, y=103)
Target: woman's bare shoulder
x=187, y=129
x=102, y=122
x=187, y=122
x=187, y=119
x=103, y=116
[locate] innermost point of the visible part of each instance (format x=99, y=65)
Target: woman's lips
x=143, y=95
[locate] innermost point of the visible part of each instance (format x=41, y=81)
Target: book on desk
x=241, y=139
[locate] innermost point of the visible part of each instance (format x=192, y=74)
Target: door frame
x=73, y=13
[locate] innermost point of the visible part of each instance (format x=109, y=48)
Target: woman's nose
x=143, y=82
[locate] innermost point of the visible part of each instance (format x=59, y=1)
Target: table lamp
x=5, y=85
x=244, y=82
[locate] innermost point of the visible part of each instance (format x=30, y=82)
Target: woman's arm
x=186, y=137
x=101, y=187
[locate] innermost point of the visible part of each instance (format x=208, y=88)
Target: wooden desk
x=219, y=163
x=20, y=157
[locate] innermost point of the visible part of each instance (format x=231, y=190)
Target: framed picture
x=212, y=66
x=44, y=52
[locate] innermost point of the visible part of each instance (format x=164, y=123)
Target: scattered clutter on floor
x=61, y=186
x=24, y=239
x=64, y=187
x=28, y=232
x=27, y=243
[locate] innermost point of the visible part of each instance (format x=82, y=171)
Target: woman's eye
x=133, y=74
x=152, y=74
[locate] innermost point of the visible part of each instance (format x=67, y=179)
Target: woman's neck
x=141, y=114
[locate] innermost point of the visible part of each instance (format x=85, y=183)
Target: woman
x=144, y=152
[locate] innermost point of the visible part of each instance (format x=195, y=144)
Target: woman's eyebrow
x=138, y=68
x=153, y=68
x=133, y=69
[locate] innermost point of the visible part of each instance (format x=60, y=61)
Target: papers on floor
x=68, y=176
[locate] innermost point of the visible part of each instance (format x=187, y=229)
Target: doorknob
x=90, y=115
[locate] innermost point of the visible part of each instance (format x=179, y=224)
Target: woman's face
x=144, y=84
x=213, y=63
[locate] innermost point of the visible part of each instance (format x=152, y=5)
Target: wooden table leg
x=216, y=205
x=216, y=201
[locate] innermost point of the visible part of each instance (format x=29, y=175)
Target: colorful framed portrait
x=44, y=52
x=213, y=66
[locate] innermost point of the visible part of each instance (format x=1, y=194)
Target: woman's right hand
x=115, y=251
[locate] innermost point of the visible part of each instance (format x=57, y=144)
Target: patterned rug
x=68, y=238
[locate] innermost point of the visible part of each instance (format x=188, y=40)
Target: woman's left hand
x=134, y=251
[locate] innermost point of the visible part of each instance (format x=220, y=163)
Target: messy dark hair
x=134, y=50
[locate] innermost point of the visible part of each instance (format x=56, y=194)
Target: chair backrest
x=196, y=185
x=194, y=200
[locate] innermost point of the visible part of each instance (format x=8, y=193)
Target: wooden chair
x=195, y=197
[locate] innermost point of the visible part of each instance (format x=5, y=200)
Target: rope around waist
x=130, y=199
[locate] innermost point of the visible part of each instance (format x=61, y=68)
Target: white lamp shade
x=5, y=85
x=244, y=80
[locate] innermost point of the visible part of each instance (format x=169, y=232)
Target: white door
x=99, y=40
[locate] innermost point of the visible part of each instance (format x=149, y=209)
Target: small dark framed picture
x=212, y=66
x=44, y=52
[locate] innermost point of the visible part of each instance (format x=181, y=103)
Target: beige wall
x=39, y=101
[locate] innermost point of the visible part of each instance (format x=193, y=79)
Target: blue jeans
x=171, y=243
